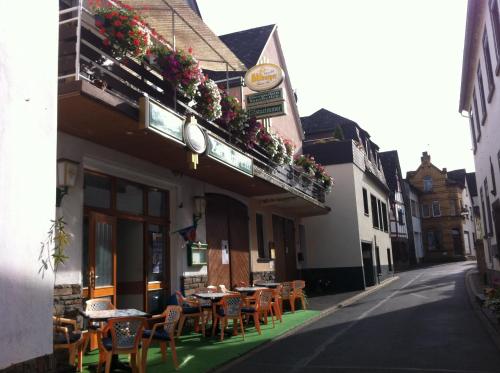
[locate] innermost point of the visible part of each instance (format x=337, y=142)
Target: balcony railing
x=83, y=56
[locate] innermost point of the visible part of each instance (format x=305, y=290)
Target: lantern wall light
x=67, y=171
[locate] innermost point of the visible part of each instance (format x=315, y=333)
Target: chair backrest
x=298, y=286
x=231, y=304
x=277, y=291
x=126, y=333
x=265, y=298
x=99, y=304
x=172, y=315
x=286, y=290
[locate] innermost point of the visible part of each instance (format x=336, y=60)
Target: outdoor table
x=271, y=285
x=214, y=297
x=249, y=289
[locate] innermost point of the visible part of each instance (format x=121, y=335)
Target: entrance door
x=457, y=242
x=368, y=264
x=284, y=241
x=228, y=241
x=102, y=256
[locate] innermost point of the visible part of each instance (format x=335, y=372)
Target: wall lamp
x=67, y=172
x=199, y=207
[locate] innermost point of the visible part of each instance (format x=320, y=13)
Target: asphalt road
x=422, y=322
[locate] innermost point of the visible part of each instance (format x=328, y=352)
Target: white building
x=350, y=248
x=416, y=222
x=480, y=101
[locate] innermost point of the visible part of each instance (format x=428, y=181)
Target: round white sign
x=195, y=138
x=264, y=77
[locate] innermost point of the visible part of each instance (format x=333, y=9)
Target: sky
x=392, y=66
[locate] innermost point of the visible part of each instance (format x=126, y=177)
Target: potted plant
x=179, y=68
x=208, y=101
x=123, y=30
x=267, y=142
x=289, y=151
x=233, y=116
x=251, y=129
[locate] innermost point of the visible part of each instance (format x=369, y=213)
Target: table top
x=269, y=284
x=109, y=314
x=210, y=295
x=249, y=289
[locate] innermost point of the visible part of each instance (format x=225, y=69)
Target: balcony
x=99, y=100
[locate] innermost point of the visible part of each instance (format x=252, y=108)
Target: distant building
x=447, y=212
x=349, y=248
x=403, y=257
x=414, y=220
x=481, y=102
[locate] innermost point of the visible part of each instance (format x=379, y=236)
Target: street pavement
x=422, y=322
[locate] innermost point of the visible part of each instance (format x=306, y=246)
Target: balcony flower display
x=233, y=116
x=179, y=68
x=290, y=150
x=123, y=29
x=249, y=136
x=322, y=177
x=208, y=101
x=267, y=142
x=307, y=163
x=279, y=156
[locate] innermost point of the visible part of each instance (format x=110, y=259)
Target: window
x=453, y=208
x=365, y=202
x=380, y=219
x=487, y=63
x=413, y=207
x=129, y=197
x=374, y=212
x=477, y=117
x=156, y=203
x=401, y=217
x=426, y=211
x=488, y=206
x=434, y=240
x=495, y=24
x=389, y=259
x=427, y=184
x=473, y=131
x=97, y=191
x=377, y=258
x=481, y=94
x=384, y=217
x=483, y=212
x=259, y=220
x=493, y=181
x=436, y=208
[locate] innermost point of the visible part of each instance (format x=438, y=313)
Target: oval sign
x=264, y=77
x=195, y=137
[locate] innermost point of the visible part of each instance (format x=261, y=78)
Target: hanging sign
x=263, y=98
x=264, y=77
x=194, y=136
x=274, y=109
x=161, y=120
x=225, y=251
x=228, y=155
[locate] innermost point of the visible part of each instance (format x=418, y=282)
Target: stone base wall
x=42, y=364
x=191, y=283
x=264, y=276
x=67, y=300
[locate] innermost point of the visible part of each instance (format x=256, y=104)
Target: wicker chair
x=96, y=304
x=230, y=308
x=162, y=332
x=121, y=335
x=191, y=308
x=261, y=308
x=68, y=336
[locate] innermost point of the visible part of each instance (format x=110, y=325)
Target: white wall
x=468, y=222
x=28, y=115
x=417, y=227
x=332, y=240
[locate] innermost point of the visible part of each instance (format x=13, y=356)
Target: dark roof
x=458, y=176
x=248, y=45
x=471, y=183
x=390, y=164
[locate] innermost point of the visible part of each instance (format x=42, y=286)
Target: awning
x=174, y=18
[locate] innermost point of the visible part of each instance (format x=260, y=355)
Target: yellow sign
x=264, y=77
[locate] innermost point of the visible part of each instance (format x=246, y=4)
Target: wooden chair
x=121, y=335
x=162, y=332
x=276, y=304
x=286, y=292
x=261, y=308
x=230, y=308
x=96, y=304
x=292, y=291
x=68, y=336
x=191, y=308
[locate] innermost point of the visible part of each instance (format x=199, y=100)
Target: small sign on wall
x=225, y=251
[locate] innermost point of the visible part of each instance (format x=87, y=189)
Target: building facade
x=414, y=220
x=403, y=254
x=446, y=209
x=480, y=101
x=350, y=248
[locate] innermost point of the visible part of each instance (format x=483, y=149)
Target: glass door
x=102, y=256
x=157, y=265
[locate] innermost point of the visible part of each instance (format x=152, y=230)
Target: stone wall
x=42, y=364
x=264, y=276
x=191, y=283
x=67, y=300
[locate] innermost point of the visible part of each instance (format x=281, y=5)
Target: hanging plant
x=290, y=150
x=179, y=68
x=307, y=163
x=249, y=136
x=123, y=28
x=208, y=102
x=267, y=141
x=233, y=116
x=280, y=154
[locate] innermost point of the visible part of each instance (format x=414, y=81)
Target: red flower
x=106, y=42
x=136, y=42
x=117, y=23
x=119, y=35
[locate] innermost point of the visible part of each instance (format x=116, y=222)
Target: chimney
x=444, y=170
x=426, y=158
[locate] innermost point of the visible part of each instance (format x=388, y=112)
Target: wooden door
x=290, y=251
x=227, y=228
x=102, y=256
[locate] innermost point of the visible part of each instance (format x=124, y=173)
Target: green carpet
x=198, y=354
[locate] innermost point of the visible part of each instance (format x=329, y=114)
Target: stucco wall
x=28, y=115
